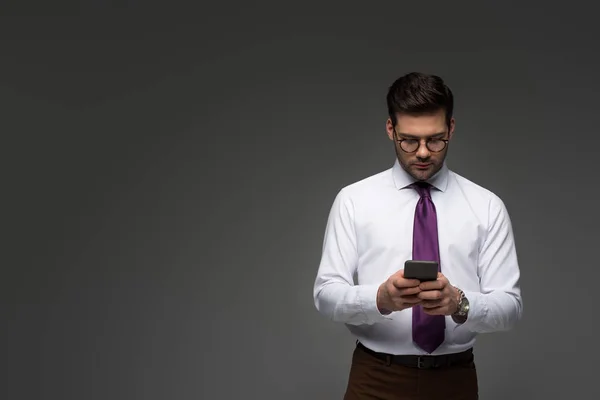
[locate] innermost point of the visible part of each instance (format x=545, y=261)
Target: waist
x=423, y=361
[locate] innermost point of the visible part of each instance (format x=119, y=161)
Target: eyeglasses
x=412, y=145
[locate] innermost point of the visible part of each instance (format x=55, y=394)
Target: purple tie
x=428, y=330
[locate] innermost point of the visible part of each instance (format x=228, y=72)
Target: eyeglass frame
x=427, y=140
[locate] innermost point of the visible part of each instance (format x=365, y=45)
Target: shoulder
x=480, y=198
x=365, y=191
x=470, y=187
x=368, y=187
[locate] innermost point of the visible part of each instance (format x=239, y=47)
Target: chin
x=421, y=176
x=424, y=174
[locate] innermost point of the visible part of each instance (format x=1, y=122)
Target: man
x=415, y=339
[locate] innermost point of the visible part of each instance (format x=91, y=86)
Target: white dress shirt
x=369, y=235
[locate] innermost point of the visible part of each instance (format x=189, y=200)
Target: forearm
x=497, y=304
x=335, y=294
x=346, y=303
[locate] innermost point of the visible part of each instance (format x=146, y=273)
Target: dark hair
x=419, y=93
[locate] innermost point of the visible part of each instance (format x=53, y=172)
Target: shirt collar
x=402, y=179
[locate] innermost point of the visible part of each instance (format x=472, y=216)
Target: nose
x=423, y=151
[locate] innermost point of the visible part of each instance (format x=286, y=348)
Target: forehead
x=422, y=124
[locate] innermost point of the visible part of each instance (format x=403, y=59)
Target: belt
x=423, y=361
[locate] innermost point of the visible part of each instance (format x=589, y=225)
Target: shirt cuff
x=478, y=310
x=367, y=297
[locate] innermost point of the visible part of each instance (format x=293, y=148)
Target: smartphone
x=421, y=270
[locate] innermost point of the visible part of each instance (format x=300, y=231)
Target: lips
x=422, y=165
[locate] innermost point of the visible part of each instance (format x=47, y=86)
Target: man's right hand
x=398, y=293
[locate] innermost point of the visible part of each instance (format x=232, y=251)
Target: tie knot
x=422, y=188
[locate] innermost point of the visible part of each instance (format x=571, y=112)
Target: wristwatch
x=463, y=306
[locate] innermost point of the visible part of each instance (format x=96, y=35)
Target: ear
x=451, y=130
x=389, y=127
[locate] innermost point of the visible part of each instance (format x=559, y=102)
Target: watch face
x=463, y=305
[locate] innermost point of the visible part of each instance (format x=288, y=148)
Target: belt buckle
x=420, y=362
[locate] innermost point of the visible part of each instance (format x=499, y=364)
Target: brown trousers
x=373, y=379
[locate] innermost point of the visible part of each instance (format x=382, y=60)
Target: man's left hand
x=439, y=296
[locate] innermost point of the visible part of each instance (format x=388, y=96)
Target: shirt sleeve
x=335, y=294
x=498, y=305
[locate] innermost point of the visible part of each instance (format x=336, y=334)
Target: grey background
x=166, y=183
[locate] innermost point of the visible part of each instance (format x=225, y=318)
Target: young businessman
x=415, y=339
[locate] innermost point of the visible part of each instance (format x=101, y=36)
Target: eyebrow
x=435, y=135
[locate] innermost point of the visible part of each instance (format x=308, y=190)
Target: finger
x=432, y=285
x=442, y=310
x=408, y=300
x=443, y=302
x=431, y=295
x=429, y=305
x=433, y=311
x=432, y=303
x=401, y=283
x=408, y=291
x=406, y=282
